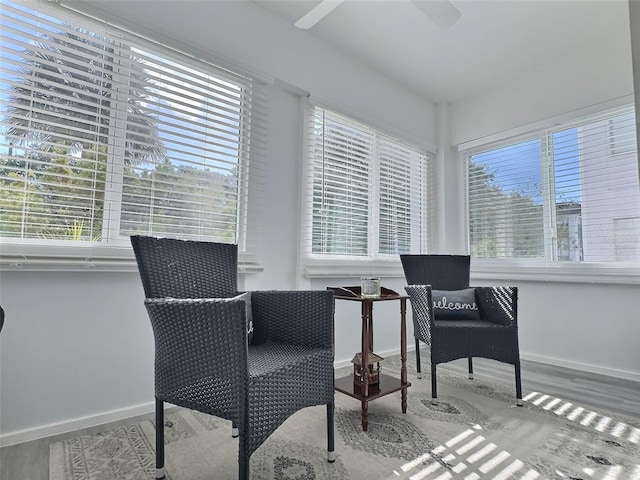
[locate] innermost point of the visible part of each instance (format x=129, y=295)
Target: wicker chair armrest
x=498, y=304
x=302, y=317
x=421, y=300
x=198, y=339
x=422, y=307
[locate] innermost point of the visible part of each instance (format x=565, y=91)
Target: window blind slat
x=367, y=191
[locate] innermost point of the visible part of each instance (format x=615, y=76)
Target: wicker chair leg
x=518, y=384
x=243, y=467
x=159, y=439
x=331, y=449
x=470, y=368
x=418, y=369
x=234, y=430
x=434, y=388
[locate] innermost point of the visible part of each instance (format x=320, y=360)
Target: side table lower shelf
x=387, y=385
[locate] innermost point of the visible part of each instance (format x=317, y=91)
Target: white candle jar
x=370, y=286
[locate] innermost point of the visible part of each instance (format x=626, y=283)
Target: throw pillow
x=455, y=304
x=246, y=297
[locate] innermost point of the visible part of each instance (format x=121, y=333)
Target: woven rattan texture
x=195, y=340
x=442, y=272
x=302, y=326
x=186, y=268
x=203, y=361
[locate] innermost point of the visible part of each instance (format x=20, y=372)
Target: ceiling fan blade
x=317, y=13
x=442, y=12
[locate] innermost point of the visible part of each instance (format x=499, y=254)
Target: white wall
x=77, y=347
x=589, y=78
x=73, y=345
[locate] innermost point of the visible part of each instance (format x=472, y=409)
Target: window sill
x=562, y=272
x=346, y=269
x=84, y=259
x=500, y=270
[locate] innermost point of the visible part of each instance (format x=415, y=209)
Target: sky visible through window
x=185, y=102
x=172, y=109
x=518, y=168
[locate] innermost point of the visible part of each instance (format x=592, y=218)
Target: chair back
x=442, y=272
x=186, y=268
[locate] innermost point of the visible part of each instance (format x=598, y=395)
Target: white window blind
x=566, y=194
x=403, y=198
x=367, y=195
x=106, y=135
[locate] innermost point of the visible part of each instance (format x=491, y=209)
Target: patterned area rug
x=476, y=432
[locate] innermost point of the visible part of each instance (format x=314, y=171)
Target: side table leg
x=365, y=415
x=403, y=351
x=367, y=307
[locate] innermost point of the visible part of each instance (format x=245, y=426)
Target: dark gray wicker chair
x=493, y=336
x=202, y=357
x=442, y=272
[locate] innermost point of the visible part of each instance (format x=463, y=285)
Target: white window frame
x=545, y=269
x=116, y=254
x=318, y=265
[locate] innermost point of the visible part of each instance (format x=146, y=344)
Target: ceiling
x=494, y=42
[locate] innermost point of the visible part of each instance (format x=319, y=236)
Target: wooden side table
x=366, y=390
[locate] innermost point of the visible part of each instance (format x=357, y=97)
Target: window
x=368, y=191
x=105, y=135
x=566, y=194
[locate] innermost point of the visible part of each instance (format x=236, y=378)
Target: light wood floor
x=30, y=460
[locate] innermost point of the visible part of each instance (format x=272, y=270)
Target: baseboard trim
x=12, y=438
x=383, y=354
x=557, y=362
x=584, y=367
x=20, y=436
